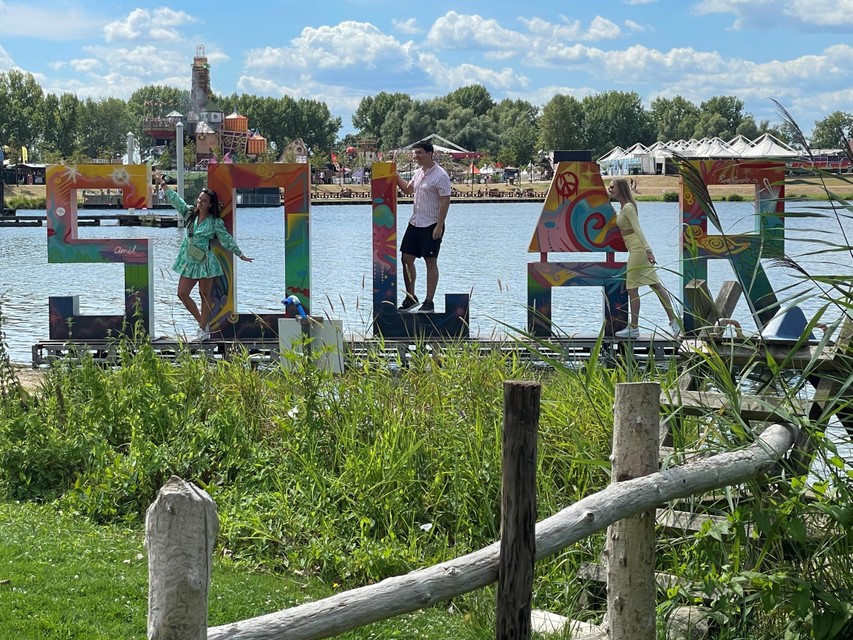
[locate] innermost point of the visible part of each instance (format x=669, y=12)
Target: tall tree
x=615, y=118
x=61, y=123
x=103, y=128
x=720, y=116
x=674, y=118
x=22, y=111
x=561, y=124
x=372, y=111
x=831, y=132
x=472, y=132
x=474, y=97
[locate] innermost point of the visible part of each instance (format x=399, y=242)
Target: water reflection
x=484, y=254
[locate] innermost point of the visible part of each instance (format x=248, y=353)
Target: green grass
x=62, y=577
x=323, y=483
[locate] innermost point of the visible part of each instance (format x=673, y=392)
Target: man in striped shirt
x=430, y=185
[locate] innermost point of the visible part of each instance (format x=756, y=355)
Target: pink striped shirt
x=429, y=186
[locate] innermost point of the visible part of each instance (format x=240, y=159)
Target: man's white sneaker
x=628, y=332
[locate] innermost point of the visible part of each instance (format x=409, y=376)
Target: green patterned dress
x=212, y=227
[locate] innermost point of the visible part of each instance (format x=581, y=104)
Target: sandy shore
x=648, y=188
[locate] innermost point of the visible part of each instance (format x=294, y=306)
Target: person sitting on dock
x=196, y=263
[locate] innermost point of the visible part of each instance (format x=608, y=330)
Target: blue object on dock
x=294, y=300
x=787, y=326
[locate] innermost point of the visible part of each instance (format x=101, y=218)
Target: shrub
x=735, y=197
x=670, y=196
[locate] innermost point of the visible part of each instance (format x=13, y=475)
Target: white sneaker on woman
x=628, y=332
x=674, y=329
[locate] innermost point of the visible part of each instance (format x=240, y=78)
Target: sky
x=797, y=52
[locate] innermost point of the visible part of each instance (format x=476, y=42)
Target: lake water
x=484, y=254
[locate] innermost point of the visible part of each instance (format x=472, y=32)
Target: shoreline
x=650, y=188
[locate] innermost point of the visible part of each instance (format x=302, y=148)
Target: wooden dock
x=266, y=350
x=123, y=219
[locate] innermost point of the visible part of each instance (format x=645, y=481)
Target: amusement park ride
x=577, y=217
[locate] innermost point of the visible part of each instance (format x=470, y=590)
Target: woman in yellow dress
x=641, y=262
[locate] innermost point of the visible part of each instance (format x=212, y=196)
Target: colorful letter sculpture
x=387, y=321
x=743, y=251
x=64, y=246
x=576, y=217
x=294, y=178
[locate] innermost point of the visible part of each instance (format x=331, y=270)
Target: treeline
x=511, y=131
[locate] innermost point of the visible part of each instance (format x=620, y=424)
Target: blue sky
x=799, y=52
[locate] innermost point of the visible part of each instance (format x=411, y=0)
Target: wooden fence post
x=518, y=509
x=630, y=545
x=180, y=531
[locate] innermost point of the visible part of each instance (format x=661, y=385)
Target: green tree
x=103, y=128
x=517, y=122
x=474, y=97
x=615, y=118
x=561, y=124
x=372, y=111
x=421, y=121
x=472, y=132
x=392, y=127
x=61, y=124
x=831, y=132
x=674, y=118
x=22, y=111
x=719, y=117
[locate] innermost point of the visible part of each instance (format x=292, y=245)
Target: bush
x=735, y=197
x=670, y=196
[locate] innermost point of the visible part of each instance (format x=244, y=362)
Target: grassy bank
x=325, y=482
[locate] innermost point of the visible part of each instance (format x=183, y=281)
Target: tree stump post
x=630, y=545
x=180, y=531
x=518, y=509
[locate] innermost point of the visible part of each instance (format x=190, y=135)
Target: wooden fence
x=181, y=527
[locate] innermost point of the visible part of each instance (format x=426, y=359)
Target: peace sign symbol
x=567, y=184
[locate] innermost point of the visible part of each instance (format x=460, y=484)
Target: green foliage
x=734, y=197
x=328, y=475
x=26, y=202
x=670, y=196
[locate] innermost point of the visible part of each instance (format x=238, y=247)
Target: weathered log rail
x=418, y=589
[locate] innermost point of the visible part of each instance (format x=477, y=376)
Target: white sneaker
x=674, y=329
x=628, y=332
x=200, y=336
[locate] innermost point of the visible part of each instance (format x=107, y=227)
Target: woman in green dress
x=196, y=263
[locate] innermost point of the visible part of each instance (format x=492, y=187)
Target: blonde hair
x=622, y=191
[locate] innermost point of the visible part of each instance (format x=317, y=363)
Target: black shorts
x=418, y=242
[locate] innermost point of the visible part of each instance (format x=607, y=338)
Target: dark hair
x=215, y=207
x=426, y=145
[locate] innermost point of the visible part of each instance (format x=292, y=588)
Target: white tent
x=769, y=147
x=615, y=153
x=740, y=145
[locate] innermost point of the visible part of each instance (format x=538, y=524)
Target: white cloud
x=356, y=54
x=6, y=61
x=448, y=77
x=456, y=31
x=409, y=27
x=824, y=13
x=803, y=15
x=42, y=22
x=571, y=30
x=159, y=25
